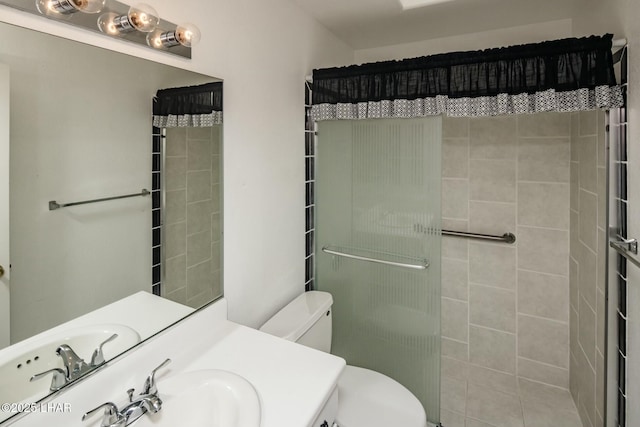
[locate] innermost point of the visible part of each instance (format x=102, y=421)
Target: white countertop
x=143, y=312
x=292, y=381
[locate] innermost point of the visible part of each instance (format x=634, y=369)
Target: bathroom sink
x=207, y=398
x=21, y=361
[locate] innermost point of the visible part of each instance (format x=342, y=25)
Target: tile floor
x=479, y=397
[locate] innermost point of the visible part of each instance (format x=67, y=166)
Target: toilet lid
x=370, y=399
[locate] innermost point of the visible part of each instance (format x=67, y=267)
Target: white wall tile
x=492, y=265
x=454, y=368
x=455, y=280
x=492, y=217
x=544, y=159
x=588, y=123
x=587, y=331
x=495, y=380
x=492, y=349
x=492, y=308
x=494, y=407
x=455, y=157
x=574, y=192
x=554, y=397
x=589, y=219
x=453, y=394
x=534, y=204
x=543, y=205
x=492, y=180
x=587, y=274
x=588, y=162
x=454, y=349
x=543, y=250
x=543, y=295
x=493, y=138
x=454, y=319
x=544, y=125
x=455, y=127
x=543, y=373
x=543, y=340
x=455, y=198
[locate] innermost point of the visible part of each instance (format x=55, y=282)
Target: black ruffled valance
x=193, y=106
x=561, y=75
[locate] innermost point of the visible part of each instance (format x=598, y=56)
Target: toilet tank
x=305, y=320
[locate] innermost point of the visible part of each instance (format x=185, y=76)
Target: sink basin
x=207, y=398
x=21, y=361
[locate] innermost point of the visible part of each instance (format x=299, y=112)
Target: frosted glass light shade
x=47, y=7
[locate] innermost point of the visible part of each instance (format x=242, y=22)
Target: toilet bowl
x=365, y=397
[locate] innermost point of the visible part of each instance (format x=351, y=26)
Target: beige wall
x=588, y=265
x=192, y=215
x=475, y=41
x=505, y=308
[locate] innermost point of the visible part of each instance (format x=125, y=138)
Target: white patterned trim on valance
x=188, y=120
x=606, y=97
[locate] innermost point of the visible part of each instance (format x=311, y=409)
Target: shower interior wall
x=512, y=331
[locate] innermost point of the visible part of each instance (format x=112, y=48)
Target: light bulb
x=106, y=23
x=66, y=7
x=140, y=17
x=154, y=39
x=143, y=17
x=187, y=34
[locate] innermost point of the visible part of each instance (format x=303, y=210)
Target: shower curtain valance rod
x=614, y=45
x=573, y=74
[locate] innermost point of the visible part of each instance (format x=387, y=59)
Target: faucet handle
x=98, y=356
x=111, y=417
x=149, y=386
x=59, y=378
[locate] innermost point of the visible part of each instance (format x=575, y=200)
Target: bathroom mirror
x=81, y=129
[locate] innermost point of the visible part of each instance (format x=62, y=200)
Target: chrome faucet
x=148, y=401
x=74, y=365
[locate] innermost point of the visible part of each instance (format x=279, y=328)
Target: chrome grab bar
x=506, y=237
x=421, y=264
x=53, y=205
x=628, y=248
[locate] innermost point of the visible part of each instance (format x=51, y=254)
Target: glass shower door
x=378, y=246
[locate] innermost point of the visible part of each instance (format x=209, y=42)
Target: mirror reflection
x=79, y=281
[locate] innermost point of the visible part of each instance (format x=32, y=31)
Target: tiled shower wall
x=505, y=308
x=192, y=215
x=588, y=265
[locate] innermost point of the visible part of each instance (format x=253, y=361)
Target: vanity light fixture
x=186, y=34
x=141, y=17
x=67, y=7
x=139, y=24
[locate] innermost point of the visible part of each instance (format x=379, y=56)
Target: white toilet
x=365, y=397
